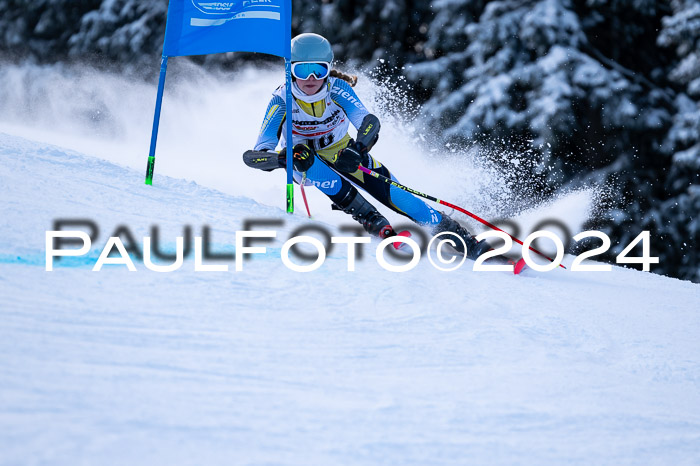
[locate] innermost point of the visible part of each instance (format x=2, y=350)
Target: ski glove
x=261, y=159
x=347, y=160
x=303, y=157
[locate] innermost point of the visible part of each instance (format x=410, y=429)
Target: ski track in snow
x=269, y=366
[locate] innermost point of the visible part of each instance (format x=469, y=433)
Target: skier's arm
x=368, y=132
x=267, y=161
x=272, y=125
x=366, y=123
x=343, y=95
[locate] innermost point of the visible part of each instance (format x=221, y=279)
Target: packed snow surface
x=271, y=366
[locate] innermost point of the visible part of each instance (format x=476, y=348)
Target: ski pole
x=439, y=201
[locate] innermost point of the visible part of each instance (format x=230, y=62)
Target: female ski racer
x=324, y=106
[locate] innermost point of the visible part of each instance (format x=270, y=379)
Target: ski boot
x=474, y=248
x=371, y=220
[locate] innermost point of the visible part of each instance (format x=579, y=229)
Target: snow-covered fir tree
x=366, y=31
x=581, y=89
x=677, y=217
x=41, y=28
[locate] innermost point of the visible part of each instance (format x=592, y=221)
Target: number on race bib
x=326, y=140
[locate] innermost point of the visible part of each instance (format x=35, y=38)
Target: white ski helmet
x=311, y=47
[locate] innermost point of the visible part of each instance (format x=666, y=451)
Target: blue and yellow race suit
x=322, y=121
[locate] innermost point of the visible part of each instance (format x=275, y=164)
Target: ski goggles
x=304, y=69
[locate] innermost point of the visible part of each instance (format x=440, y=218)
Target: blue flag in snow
x=197, y=27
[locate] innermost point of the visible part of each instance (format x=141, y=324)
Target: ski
x=399, y=245
x=520, y=265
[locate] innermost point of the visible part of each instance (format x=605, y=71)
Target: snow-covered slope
x=270, y=366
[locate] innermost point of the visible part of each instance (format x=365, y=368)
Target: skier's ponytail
x=350, y=79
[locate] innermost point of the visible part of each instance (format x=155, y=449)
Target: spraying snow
x=210, y=119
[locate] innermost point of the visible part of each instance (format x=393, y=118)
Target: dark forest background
x=593, y=91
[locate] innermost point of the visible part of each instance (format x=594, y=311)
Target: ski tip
x=519, y=266
x=398, y=244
